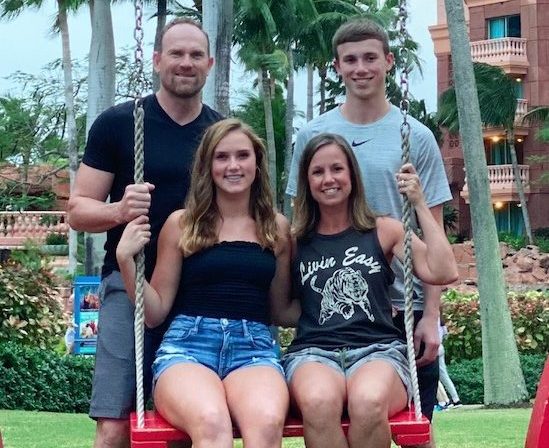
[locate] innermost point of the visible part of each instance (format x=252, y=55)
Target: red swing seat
x=538, y=429
x=157, y=432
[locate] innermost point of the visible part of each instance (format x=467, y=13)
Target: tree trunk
x=503, y=378
x=322, y=73
x=310, y=77
x=289, y=128
x=161, y=13
x=520, y=187
x=223, y=58
x=72, y=148
x=102, y=62
x=269, y=131
x=101, y=89
x=210, y=22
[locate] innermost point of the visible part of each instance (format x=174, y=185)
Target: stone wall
x=527, y=268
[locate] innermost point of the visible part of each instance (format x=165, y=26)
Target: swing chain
x=138, y=34
x=404, y=38
x=139, y=156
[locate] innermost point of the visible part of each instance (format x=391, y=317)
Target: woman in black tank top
x=223, y=262
x=348, y=357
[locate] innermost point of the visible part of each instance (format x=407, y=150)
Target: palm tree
x=101, y=92
x=314, y=49
x=218, y=23
x=539, y=115
x=10, y=9
x=257, y=28
x=503, y=378
x=498, y=104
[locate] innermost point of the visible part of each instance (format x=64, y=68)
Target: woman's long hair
x=200, y=221
x=306, y=211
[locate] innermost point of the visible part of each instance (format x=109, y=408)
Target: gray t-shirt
x=377, y=147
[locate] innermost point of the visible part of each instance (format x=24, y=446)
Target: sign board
x=86, y=314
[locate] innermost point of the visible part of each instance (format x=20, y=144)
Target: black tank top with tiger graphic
x=342, y=281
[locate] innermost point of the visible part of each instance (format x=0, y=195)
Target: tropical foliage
x=30, y=310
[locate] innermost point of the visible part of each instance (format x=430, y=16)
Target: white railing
x=522, y=108
x=501, y=175
x=502, y=178
x=18, y=227
x=498, y=50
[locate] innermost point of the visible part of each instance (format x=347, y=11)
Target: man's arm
x=87, y=209
x=427, y=327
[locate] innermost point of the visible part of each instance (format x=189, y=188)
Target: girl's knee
x=320, y=408
x=368, y=407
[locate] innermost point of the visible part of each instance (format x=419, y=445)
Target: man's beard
x=183, y=91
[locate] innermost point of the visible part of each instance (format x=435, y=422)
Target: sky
x=27, y=45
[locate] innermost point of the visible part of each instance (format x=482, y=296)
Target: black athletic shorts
x=427, y=375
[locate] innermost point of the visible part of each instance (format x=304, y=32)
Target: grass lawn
x=456, y=428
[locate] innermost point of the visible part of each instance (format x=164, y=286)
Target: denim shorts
x=348, y=360
x=222, y=345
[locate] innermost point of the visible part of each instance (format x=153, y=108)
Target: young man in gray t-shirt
x=371, y=125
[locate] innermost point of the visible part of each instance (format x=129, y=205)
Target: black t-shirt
x=342, y=281
x=169, y=152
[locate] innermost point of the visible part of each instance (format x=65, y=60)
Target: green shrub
x=529, y=314
x=12, y=198
x=542, y=232
x=467, y=376
x=541, y=239
x=41, y=380
x=30, y=311
x=56, y=239
x=515, y=241
x=543, y=243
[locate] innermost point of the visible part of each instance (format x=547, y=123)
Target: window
x=509, y=218
x=498, y=152
x=499, y=27
x=519, y=90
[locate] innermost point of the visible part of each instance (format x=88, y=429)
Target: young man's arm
x=87, y=209
x=427, y=327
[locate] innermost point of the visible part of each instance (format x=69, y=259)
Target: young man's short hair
x=357, y=30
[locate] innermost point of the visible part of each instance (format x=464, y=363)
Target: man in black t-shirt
x=175, y=120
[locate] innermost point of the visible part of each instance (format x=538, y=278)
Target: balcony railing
x=502, y=182
x=522, y=108
x=507, y=52
x=18, y=227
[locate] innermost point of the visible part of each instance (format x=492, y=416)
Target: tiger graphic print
x=345, y=290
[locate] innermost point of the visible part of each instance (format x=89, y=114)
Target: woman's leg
x=446, y=380
x=442, y=396
x=258, y=401
x=192, y=398
x=319, y=392
x=375, y=393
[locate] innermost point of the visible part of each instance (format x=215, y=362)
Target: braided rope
x=139, y=156
x=407, y=209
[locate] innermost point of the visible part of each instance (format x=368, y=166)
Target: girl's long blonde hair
x=199, y=223
x=306, y=211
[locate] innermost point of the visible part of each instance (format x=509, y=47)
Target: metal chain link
x=139, y=156
x=407, y=207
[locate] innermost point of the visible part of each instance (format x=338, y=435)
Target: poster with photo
x=86, y=314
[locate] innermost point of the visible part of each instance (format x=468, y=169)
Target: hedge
x=41, y=380
x=467, y=376
x=529, y=315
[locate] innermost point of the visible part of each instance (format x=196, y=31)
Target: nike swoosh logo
x=353, y=144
